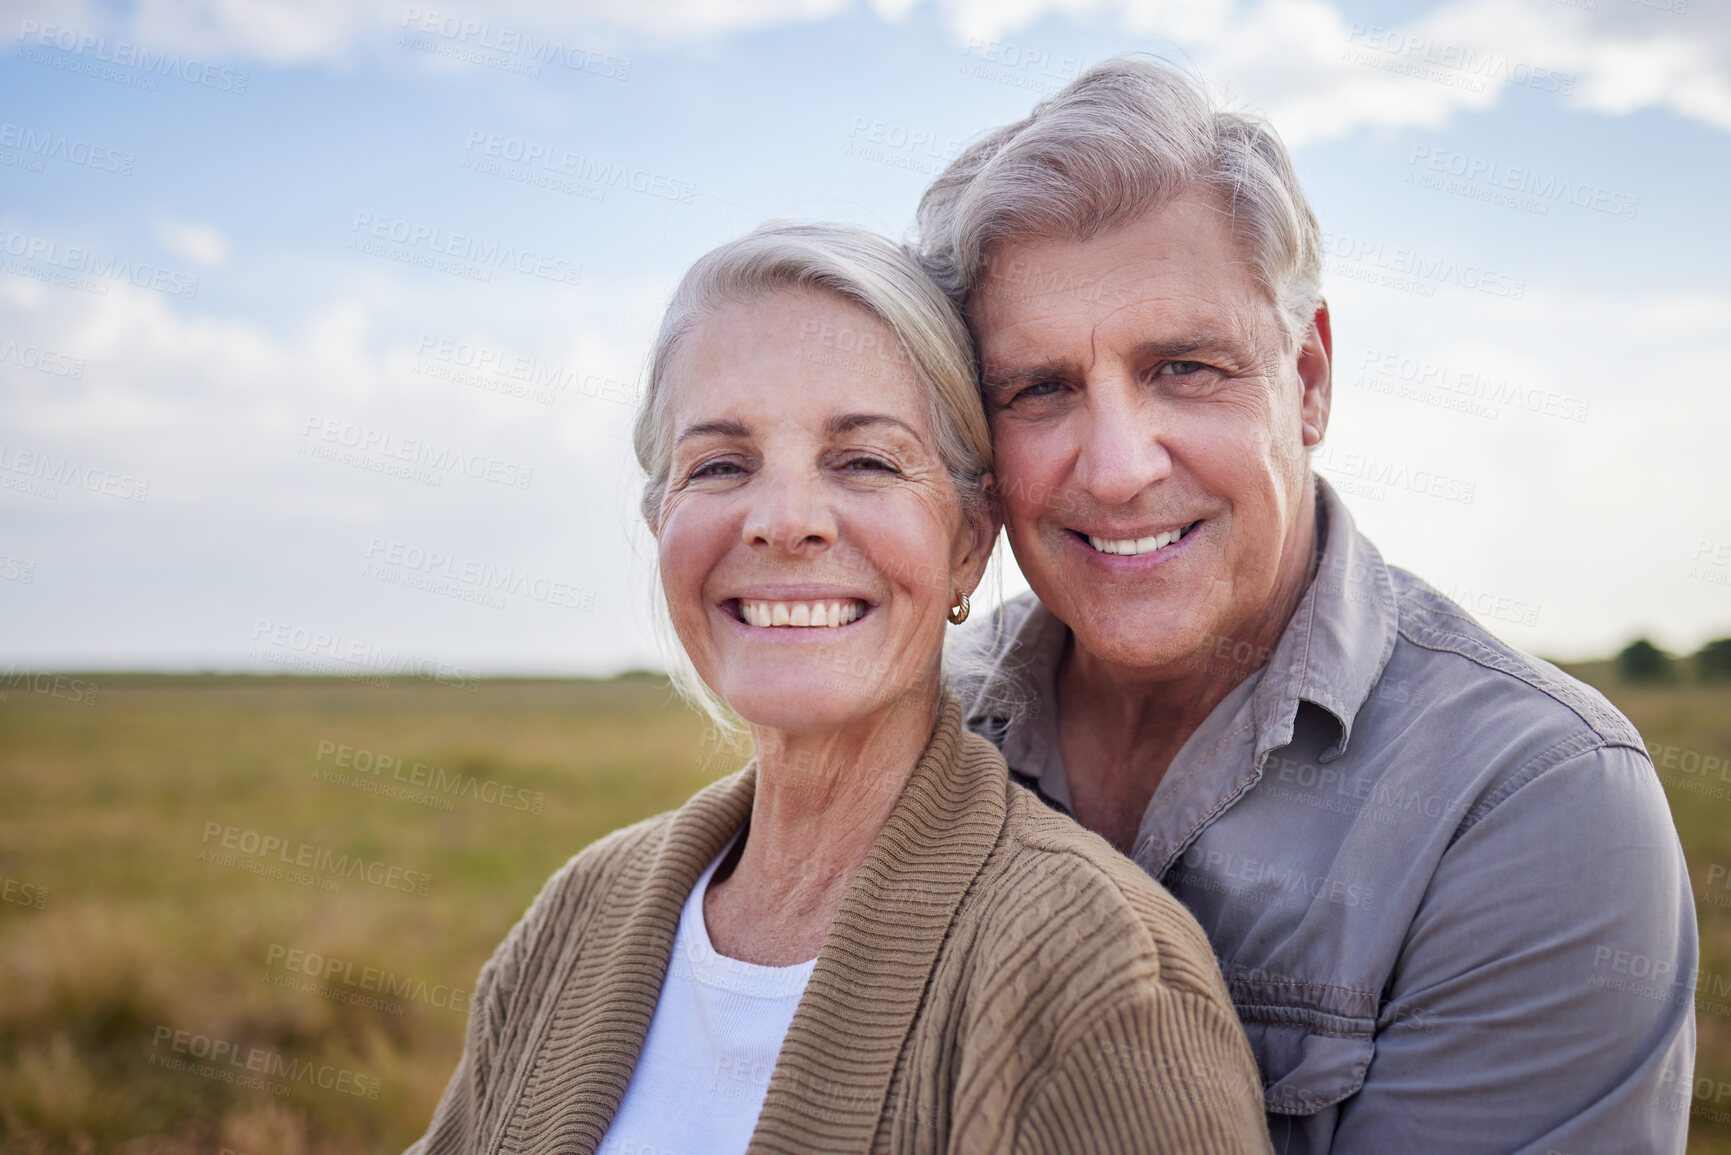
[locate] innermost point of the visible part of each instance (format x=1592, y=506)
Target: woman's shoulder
x=589, y=877
x=1055, y=879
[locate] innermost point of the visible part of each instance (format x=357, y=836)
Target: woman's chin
x=802, y=704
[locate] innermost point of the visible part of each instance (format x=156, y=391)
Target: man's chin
x=1137, y=639
x=1155, y=663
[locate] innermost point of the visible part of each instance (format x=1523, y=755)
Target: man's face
x=1150, y=420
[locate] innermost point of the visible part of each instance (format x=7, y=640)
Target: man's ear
x=982, y=535
x=1315, y=372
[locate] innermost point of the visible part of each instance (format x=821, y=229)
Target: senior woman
x=868, y=939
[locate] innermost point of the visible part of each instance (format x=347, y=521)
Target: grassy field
x=306, y=874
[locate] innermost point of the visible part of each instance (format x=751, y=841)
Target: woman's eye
x=716, y=469
x=869, y=463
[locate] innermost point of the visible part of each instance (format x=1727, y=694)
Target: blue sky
x=259, y=260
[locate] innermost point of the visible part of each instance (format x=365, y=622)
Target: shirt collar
x=1340, y=638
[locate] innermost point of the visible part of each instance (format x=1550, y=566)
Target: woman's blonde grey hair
x=1127, y=136
x=865, y=270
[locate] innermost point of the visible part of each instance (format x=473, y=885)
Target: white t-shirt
x=704, y=1070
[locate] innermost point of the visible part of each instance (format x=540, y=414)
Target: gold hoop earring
x=959, y=614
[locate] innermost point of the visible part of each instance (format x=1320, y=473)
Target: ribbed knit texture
x=998, y=979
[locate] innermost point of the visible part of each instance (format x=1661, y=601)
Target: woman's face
x=811, y=540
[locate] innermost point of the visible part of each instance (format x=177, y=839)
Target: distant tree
x=1642, y=661
x=1713, y=660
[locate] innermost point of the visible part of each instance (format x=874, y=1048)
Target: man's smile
x=1134, y=546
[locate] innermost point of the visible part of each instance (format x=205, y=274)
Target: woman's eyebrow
x=722, y=428
x=848, y=422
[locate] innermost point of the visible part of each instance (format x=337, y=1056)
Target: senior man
x=1440, y=875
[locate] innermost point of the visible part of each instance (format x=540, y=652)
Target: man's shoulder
x=1455, y=655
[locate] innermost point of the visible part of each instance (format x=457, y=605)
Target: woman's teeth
x=1131, y=546
x=803, y=614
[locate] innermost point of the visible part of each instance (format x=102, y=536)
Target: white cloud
x=213, y=413
x=1317, y=73
x=1319, y=76
x=199, y=243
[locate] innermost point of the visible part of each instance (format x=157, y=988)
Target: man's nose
x=790, y=514
x=1123, y=450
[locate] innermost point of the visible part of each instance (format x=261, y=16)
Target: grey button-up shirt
x=1440, y=875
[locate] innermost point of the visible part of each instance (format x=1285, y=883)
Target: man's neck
x=1120, y=729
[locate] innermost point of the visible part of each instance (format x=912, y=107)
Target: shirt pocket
x=1312, y=1044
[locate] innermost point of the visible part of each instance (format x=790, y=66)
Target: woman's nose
x=790, y=514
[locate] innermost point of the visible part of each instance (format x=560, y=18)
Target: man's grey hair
x=1127, y=136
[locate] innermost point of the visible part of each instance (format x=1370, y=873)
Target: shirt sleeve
x=1160, y=1072
x=456, y=1120
x=1543, y=1001
x=489, y=1047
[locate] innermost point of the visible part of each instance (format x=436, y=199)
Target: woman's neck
x=821, y=801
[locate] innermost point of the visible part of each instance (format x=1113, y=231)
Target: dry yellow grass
x=110, y=807
x=115, y=934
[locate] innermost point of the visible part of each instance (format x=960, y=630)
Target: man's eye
x=1038, y=389
x=1182, y=368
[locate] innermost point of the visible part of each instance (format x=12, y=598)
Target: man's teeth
x=804, y=614
x=1131, y=546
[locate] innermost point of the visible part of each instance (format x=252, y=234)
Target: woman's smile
x=821, y=613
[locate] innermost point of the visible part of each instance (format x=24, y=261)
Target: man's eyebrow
x=1174, y=348
x=711, y=429
x=848, y=422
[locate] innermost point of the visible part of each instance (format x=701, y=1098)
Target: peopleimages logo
x=306, y=856
x=582, y=167
x=346, y=982
x=431, y=243
x=1543, y=187
x=532, y=49
x=404, y=563
x=417, y=457
x=42, y=360
x=494, y=370
x=125, y=54
x=231, y=1062
x=1470, y=385
x=50, y=146
x=88, y=262
x=286, y=643
x=42, y=475
x=373, y=770
x=1414, y=269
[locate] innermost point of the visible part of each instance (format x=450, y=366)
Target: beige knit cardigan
x=998, y=979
